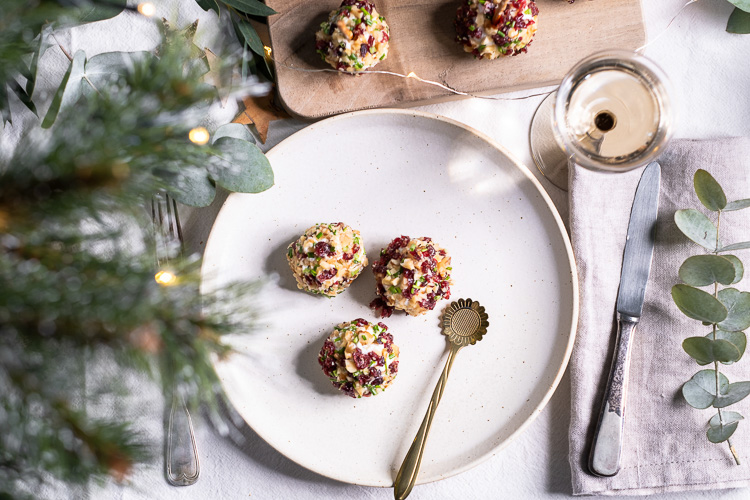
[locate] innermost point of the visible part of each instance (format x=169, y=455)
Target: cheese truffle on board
x=496, y=28
x=360, y=358
x=327, y=258
x=411, y=275
x=354, y=38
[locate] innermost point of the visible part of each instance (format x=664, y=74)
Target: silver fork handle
x=182, y=464
x=606, y=449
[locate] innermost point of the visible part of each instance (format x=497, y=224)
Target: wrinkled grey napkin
x=665, y=439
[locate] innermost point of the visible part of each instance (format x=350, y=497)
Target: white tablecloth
x=710, y=71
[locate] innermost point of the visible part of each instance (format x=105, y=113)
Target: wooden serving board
x=423, y=42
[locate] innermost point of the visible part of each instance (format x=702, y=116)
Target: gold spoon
x=464, y=323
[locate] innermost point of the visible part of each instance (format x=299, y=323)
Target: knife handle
x=604, y=459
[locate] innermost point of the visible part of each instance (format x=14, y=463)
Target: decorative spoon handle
x=407, y=474
x=606, y=449
x=183, y=466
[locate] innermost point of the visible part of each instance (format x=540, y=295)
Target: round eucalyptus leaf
x=700, y=391
x=732, y=394
x=696, y=226
x=737, y=205
x=698, y=304
x=721, y=433
x=709, y=191
x=191, y=186
x=705, y=350
x=729, y=417
x=739, y=269
x=738, y=339
x=703, y=270
x=741, y=4
x=241, y=166
x=236, y=130
x=738, y=309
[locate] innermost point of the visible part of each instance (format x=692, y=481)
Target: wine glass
x=612, y=112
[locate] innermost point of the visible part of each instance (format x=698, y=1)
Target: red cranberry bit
x=535, y=9
x=321, y=249
x=381, y=308
x=382, y=325
x=355, y=249
x=321, y=45
x=360, y=361
x=381, y=290
x=385, y=37
x=329, y=348
x=408, y=276
x=364, y=378
x=499, y=39
x=400, y=242
x=348, y=389
x=388, y=339
x=361, y=322
x=341, y=66
x=326, y=275
x=364, y=49
x=426, y=265
x=393, y=367
x=347, y=256
x=371, y=41
x=429, y=302
x=329, y=366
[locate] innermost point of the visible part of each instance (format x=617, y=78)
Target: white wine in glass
x=611, y=112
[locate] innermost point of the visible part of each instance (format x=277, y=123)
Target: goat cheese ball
x=354, y=38
x=327, y=258
x=360, y=358
x=411, y=275
x=486, y=29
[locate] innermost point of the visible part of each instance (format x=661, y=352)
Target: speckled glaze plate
x=388, y=173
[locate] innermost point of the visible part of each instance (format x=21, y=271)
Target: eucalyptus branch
x=726, y=310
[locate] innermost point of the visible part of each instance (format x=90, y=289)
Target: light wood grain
x=423, y=41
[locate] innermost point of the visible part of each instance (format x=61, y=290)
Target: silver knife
x=604, y=459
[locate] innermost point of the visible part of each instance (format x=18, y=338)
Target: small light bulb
x=411, y=75
x=147, y=9
x=199, y=135
x=165, y=278
x=268, y=51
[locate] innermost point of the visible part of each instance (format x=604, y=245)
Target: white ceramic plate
x=388, y=173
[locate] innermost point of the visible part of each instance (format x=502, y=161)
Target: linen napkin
x=665, y=447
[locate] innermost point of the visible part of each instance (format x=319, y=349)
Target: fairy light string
x=412, y=75
x=147, y=9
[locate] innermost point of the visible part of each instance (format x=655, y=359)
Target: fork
x=181, y=462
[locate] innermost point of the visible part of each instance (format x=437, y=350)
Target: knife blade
x=606, y=449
